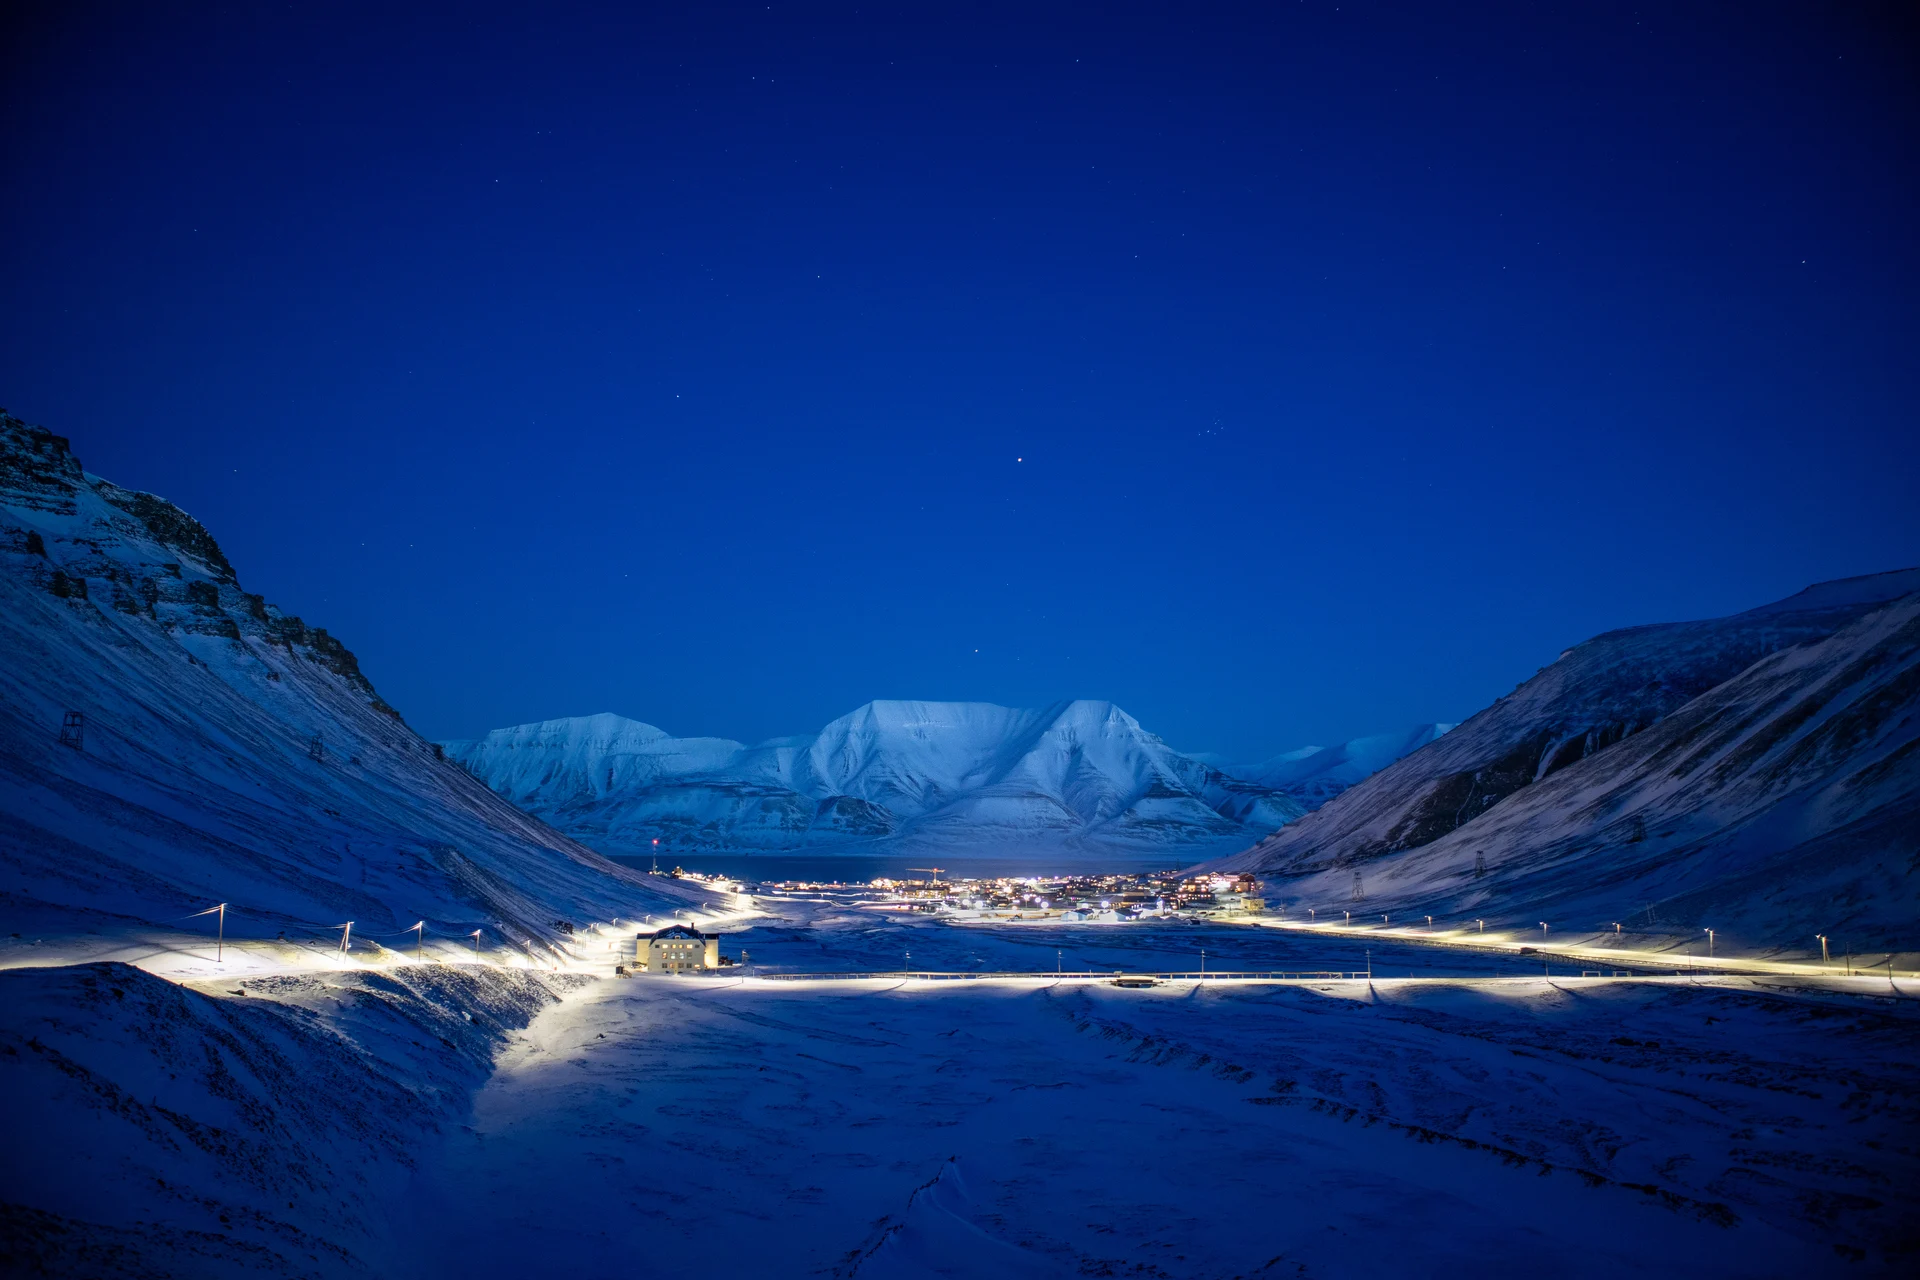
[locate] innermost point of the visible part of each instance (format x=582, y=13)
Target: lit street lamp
x=1709, y=934
x=1543, y=928
x=1824, y=957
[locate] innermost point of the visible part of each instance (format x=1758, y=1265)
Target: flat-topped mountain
x=960, y=775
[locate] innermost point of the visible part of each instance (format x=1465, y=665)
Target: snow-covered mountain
x=964, y=776
x=228, y=752
x=1315, y=775
x=1759, y=772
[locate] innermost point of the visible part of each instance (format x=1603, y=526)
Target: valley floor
x=1733, y=1126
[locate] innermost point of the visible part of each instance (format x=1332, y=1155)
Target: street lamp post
x=1824, y=957
x=1709, y=934
x=1543, y=929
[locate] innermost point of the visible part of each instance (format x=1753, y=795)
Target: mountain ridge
x=1079, y=773
x=1611, y=715
x=227, y=751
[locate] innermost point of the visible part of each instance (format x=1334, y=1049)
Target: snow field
x=1000, y=1128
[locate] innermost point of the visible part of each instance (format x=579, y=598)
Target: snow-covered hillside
x=228, y=752
x=955, y=775
x=1315, y=775
x=1758, y=774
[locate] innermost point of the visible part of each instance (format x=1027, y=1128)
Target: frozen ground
x=470, y=1121
x=1346, y=1129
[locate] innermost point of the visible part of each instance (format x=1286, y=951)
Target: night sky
x=1282, y=373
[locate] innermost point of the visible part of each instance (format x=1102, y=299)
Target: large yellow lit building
x=678, y=948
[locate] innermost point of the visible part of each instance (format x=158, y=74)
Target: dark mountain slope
x=1783, y=800
x=229, y=752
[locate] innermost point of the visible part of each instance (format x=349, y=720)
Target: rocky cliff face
x=225, y=750
x=1750, y=767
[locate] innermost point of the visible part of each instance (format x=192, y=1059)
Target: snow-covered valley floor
x=467, y=1121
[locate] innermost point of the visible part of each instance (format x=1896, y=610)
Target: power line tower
x=1359, y=891
x=73, y=731
x=317, y=749
x=1480, y=865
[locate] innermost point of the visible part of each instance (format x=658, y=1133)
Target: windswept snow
x=961, y=777
x=1759, y=775
x=228, y=752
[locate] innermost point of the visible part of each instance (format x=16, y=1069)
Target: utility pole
x=73, y=731
x=220, y=947
x=346, y=933
x=476, y=946
x=1203, y=964
x=1824, y=957
x=419, y=940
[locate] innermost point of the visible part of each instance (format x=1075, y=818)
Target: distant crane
x=932, y=871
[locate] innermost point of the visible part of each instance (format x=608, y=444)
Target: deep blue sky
x=1361, y=356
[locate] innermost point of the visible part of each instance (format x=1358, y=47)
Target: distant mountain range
x=957, y=776
x=1757, y=774
x=1315, y=775
x=221, y=750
